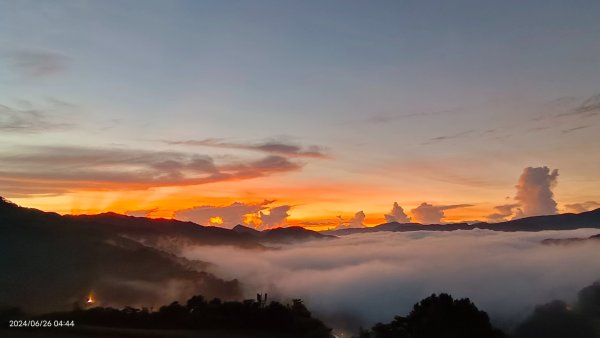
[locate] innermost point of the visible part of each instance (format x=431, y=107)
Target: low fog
x=366, y=278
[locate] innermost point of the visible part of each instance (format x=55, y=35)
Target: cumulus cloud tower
x=534, y=191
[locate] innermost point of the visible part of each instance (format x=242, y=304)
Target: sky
x=314, y=113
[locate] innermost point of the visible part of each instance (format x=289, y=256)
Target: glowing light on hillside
x=90, y=299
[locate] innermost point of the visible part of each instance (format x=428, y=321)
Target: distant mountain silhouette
x=292, y=234
x=282, y=235
x=242, y=229
x=568, y=241
x=588, y=219
x=166, y=234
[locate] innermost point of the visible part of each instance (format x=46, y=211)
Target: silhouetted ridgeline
x=589, y=219
x=282, y=235
x=569, y=241
x=292, y=320
x=50, y=261
x=55, y=260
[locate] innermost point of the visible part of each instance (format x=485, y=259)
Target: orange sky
x=204, y=110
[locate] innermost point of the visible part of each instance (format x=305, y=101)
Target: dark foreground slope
x=168, y=234
x=196, y=318
x=50, y=262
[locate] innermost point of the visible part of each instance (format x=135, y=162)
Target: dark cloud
x=19, y=188
x=45, y=169
x=590, y=107
x=504, y=212
x=36, y=64
x=397, y=214
x=534, y=191
x=448, y=137
x=30, y=119
x=268, y=165
x=570, y=130
x=271, y=147
x=432, y=214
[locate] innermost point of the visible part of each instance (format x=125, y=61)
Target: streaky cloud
x=31, y=63
x=271, y=147
x=30, y=119
x=47, y=169
x=590, y=107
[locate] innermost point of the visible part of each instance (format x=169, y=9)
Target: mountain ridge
x=566, y=221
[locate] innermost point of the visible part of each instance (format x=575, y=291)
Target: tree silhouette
x=555, y=320
x=438, y=317
x=293, y=320
x=588, y=301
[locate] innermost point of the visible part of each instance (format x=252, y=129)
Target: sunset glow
x=301, y=119
x=323, y=169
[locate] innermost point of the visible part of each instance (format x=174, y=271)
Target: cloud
x=275, y=218
x=37, y=64
x=590, y=107
x=397, y=215
x=432, y=214
x=570, y=130
x=48, y=169
x=503, y=212
x=30, y=120
x=534, y=191
x=387, y=118
x=427, y=214
x=582, y=207
x=271, y=147
x=141, y=213
x=372, y=277
x=231, y=215
x=448, y=137
x=258, y=215
x=357, y=221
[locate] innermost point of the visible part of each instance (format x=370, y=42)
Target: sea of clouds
x=366, y=278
